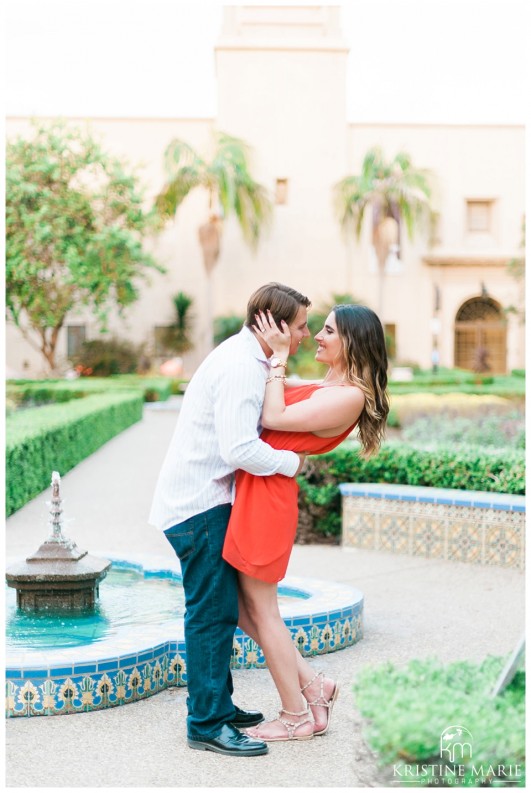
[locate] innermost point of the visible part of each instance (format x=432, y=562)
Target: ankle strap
x=314, y=678
x=291, y=713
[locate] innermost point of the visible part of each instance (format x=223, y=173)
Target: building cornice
x=453, y=259
x=236, y=45
x=435, y=125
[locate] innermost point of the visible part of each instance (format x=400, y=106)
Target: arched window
x=481, y=336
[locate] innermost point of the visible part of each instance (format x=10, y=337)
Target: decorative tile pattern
x=322, y=617
x=428, y=536
x=460, y=525
x=394, y=532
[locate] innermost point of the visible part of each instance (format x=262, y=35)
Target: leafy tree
x=395, y=191
x=231, y=190
x=75, y=224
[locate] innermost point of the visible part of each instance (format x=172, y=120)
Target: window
x=480, y=336
x=75, y=336
x=390, y=339
x=160, y=334
x=479, y=216
x=281, y=191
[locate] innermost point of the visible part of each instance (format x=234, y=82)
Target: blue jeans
x=211, y=615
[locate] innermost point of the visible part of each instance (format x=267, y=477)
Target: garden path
x=414, y=608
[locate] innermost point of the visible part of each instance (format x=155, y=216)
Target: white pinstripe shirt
x=217, y=433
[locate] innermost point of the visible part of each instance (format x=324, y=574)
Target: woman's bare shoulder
x=340, y=394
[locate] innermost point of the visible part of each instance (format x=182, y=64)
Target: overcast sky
x=453, y=61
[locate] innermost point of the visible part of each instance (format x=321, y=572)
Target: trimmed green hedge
x=57, y=437
x=514, y=388
x=398, y=463
x=461, y=381
x=154, y=389
x=407, y=710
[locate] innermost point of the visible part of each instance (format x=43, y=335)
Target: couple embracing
x=241, y=423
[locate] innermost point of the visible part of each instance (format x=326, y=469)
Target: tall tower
x=281, y=74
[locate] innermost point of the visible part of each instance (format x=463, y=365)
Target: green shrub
x=393, y=419
x=153, y=388
x=57, y=437
x=518, y=372
x=225, y=327
x=103, y=357
x=398, y=463
x=408, y=709
x=36, y=395
x=177, y=337
x=511, y=387
x=178, y=386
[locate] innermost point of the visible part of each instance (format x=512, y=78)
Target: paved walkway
x=414, y=608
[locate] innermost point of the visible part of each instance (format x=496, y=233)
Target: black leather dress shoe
x=246, y=718
x=230, y=741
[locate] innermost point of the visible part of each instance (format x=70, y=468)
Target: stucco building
x=281, y=74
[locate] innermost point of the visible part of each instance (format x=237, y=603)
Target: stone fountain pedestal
x=58, y=576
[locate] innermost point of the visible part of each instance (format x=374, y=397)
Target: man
x=217, y=433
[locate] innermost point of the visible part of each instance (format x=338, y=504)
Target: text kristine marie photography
x=455, y=766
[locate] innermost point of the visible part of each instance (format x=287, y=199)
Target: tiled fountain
x=129, y=644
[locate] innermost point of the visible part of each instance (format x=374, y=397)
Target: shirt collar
x=254, y=345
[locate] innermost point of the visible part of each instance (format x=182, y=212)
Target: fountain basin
x=134, y=661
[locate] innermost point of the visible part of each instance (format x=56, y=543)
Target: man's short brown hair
x=283, y=302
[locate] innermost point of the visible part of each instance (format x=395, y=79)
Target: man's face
x=298, y=329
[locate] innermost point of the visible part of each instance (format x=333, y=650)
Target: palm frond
x=179, y=155
x=227, y=178
x=384, y=185
x=175, y=191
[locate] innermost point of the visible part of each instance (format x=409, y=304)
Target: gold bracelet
x=276, y=377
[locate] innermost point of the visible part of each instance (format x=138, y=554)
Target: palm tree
x=231, y=189
x=395, y=191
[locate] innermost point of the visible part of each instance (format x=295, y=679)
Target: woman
x=310, y=418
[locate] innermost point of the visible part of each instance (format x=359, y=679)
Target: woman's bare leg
x=260, y=617
x=305, y=672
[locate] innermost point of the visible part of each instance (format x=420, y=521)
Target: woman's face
x=329, y=343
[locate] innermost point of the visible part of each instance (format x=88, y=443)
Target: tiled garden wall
x=460, y=525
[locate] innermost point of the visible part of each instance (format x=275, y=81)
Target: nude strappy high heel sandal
x=290, y=726
x=320, y=700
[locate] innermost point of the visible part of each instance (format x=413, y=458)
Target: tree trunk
x=210, y=239
x=49, y=346
x=385, y=235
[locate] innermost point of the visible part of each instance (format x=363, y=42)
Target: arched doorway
x=481, y=336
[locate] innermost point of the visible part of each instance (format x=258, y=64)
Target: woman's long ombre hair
x=364, y=359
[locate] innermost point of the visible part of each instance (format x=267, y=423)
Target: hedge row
x=154, y=389
x=57, y=437
x=514, y=388
x=397, y=463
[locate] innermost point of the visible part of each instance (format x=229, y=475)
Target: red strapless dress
x=263, y=521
